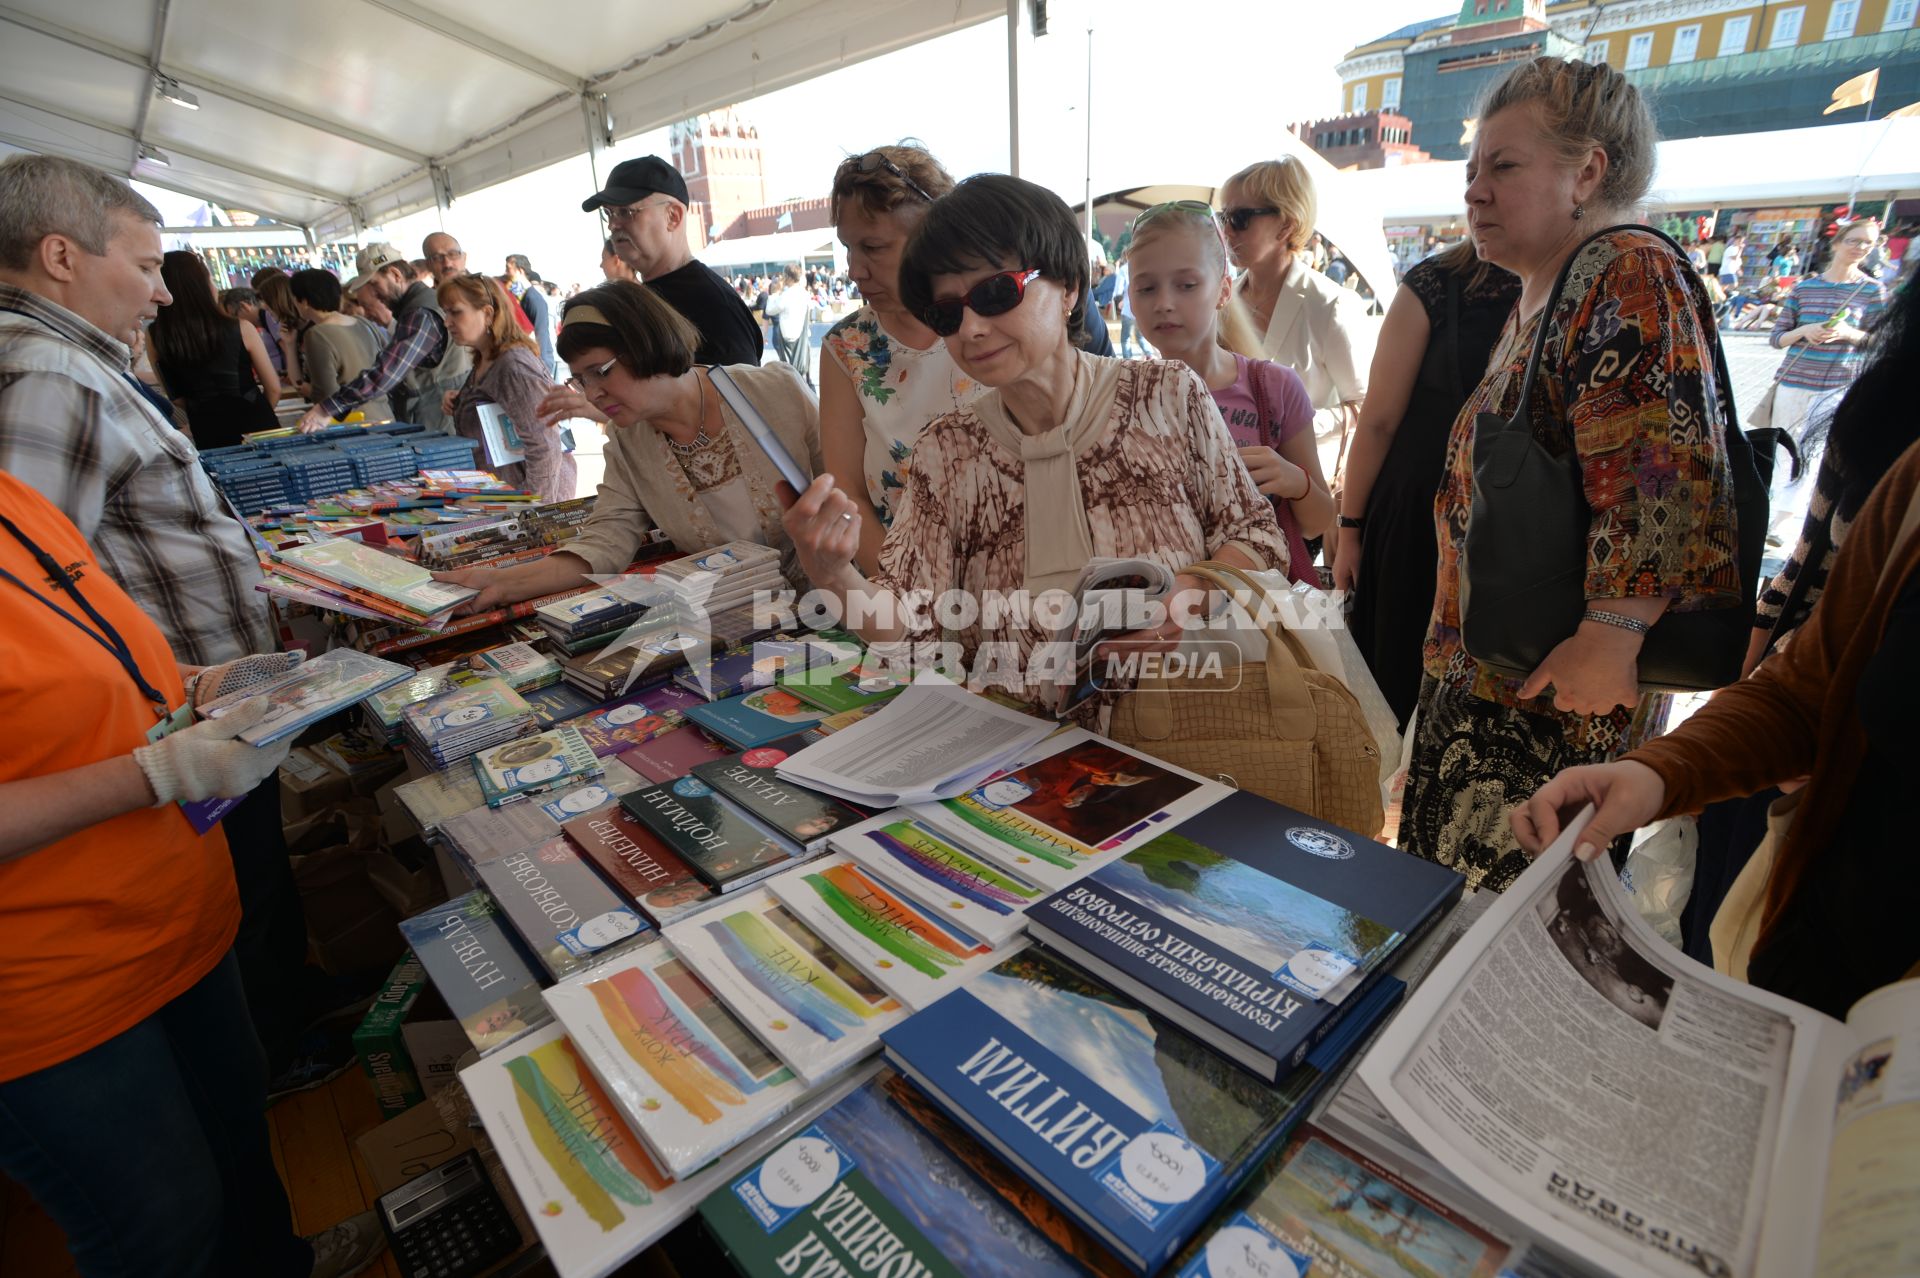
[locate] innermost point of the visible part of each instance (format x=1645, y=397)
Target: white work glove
x=242, y=674
x=206, y=762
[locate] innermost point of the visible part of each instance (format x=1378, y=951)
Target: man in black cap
x=645, y=203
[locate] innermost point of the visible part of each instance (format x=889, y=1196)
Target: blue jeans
x=1126, y=336
x=151, y=1150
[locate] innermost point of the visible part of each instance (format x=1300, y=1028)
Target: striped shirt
x=73, y=427
x=1814, y=300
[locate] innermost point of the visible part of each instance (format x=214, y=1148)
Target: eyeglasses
x=995, y=295
x=627, y=212
x=1185, y=206
x=874, y=160
x=1239, y=218
x=592, y=377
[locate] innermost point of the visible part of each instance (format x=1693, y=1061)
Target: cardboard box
x=408, y=1043
x=435, y=1045
x=309, y=785
x=413, y=1144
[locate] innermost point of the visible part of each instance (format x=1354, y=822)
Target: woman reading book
x=678, y=457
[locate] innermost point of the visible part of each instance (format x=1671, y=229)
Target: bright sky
x=1186, y=92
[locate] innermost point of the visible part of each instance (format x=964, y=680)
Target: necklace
x=700, y=439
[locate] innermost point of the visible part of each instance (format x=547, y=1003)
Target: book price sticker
x=1315, y=970
x=792, y=1178
x=1241, y=1248
x=1157, y=1170
x=600, y=931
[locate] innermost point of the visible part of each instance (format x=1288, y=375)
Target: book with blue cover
x=1130, y=1125
x=558, y=704
x=477, y=969
x=755, y=718
x=863, y=1181
x=1251, y=925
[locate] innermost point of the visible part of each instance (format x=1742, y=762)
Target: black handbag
x=1523, y=568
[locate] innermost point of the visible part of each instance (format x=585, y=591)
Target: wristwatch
x=1353, y=521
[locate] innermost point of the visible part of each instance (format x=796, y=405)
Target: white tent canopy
x=1789, y=167
x=338, y=116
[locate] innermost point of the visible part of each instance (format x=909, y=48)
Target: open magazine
x=1112, y=597
x=1639, y=1110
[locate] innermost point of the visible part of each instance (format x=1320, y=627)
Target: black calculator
x=449, y=1223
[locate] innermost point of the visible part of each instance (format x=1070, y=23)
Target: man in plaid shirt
x=79, y=275
x=417, y=366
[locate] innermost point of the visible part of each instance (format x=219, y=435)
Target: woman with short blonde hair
x=508, y=373
x=1306, y=321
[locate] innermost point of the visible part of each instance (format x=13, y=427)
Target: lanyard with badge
x=204, y=814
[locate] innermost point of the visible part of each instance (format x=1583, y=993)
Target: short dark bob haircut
x=647, y=335
x=318, y=289
x=999, y=221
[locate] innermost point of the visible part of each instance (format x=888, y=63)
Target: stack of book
x=381, y=712
x=635, y=719
x=648, y=654
x=717, y=588
x=565, y=913
x=724, y=846
x=309, y=693
x=640, y=864
x=456, y=725
x=373, y=580
x=524, y=667
x=581, y=623
x=550, y=760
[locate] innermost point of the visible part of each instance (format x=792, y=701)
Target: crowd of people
x=972, y=433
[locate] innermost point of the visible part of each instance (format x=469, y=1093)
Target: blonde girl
x=1182, y=299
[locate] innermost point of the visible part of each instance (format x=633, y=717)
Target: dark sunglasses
x=874, y=160
x=1239, y=218
x=995, y=295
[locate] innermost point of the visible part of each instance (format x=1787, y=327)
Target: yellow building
x=1709, y=66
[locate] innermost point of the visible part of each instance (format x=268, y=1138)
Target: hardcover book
x=742, y=669
x=594, y=1193
x=636, y=718
x=1322, y=1200
x=815, y=1008
x=477, y=969
x=986, y=900
x=863, y=1181
x=391, y=578
x=1082, y=801
x=1130, y=1125
x=483, y=834
x=672, y=754
x=724, y=846
x=909, y=950
x=1252, y=925
x=561, y=909
x=686, y=1074
x=559, y=703
x=756, y=718
x=547, y=760
x=310, y=692
x=640, y=864
x=748, y=780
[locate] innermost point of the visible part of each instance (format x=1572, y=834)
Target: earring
x=1579, y=211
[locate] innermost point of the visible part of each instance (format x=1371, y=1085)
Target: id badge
x=202, y=814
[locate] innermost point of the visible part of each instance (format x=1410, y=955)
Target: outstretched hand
x=1626, y=795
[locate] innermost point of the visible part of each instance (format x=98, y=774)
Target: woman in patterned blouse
x=1067, y=457
x=1565, y=149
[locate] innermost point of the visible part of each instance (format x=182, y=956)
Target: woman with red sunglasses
x=1067, y=457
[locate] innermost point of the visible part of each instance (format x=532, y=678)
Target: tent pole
x=1014, y=17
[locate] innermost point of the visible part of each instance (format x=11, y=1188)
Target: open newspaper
x=1648, y=1115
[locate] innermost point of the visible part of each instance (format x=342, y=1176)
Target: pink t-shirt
x=1289, y=412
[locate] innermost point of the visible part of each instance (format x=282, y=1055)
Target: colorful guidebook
x=847, y=680
x=862, y=1189
x=636, y=718
x=1252, y=926
x=310, y=692
x=748, y=779
x=985, y=899
x=1079, y=802
x=594, y=1193
x=1129, y=1124
x=672, y=754
x=724, y=845
x=562, y=910
x=813, y=1006
x=477, y=969
x=640, y=864
x=690, y=1078
x=908, y=949
x=549, y=760
x=1322, y=1201
x=756, y=718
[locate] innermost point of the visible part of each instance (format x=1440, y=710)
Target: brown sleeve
x=1762, y=730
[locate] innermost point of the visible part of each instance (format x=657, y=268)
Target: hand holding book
x=207, y=761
